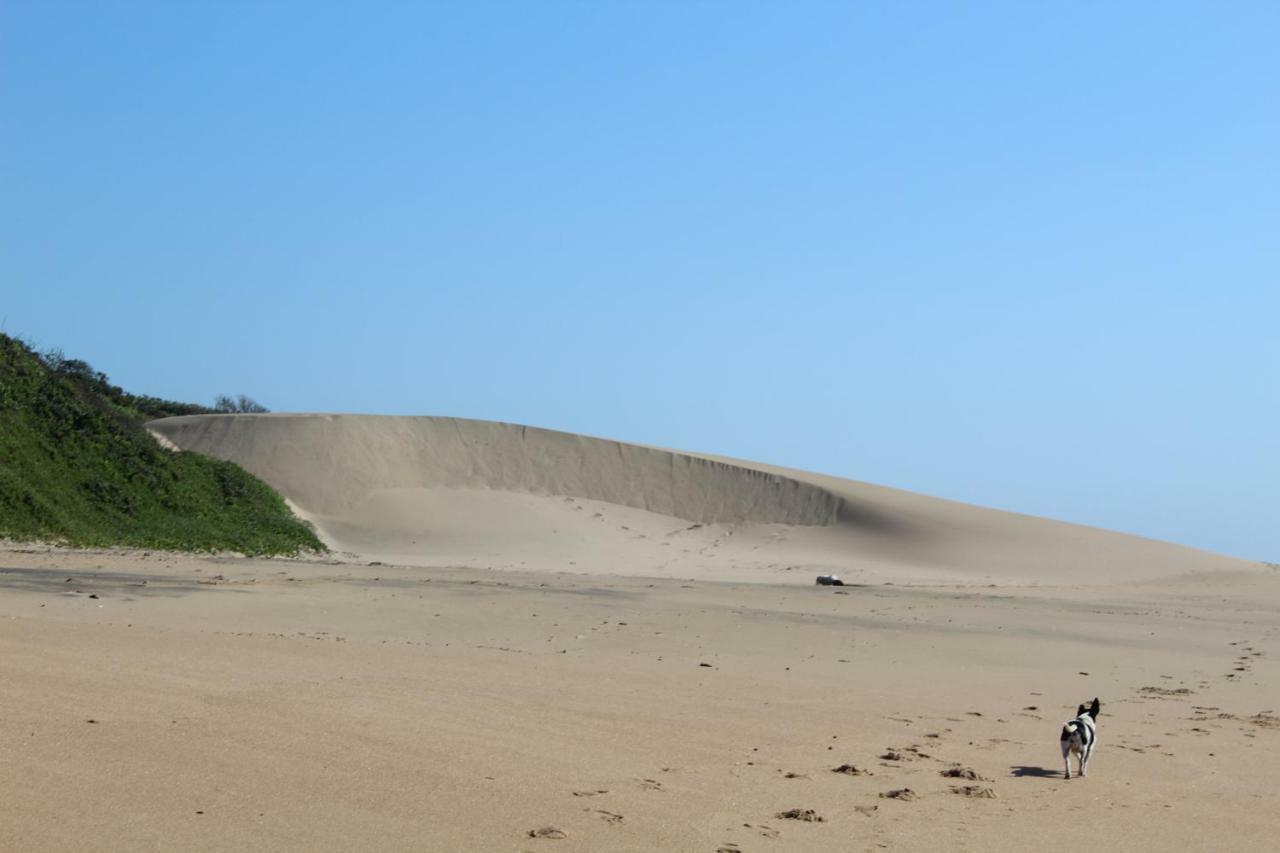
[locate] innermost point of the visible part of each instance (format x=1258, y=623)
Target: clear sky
x=1024, y=255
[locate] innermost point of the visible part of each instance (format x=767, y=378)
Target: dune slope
x=427, y=490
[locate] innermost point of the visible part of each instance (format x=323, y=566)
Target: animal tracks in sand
x=1165, y=691
x=940, y=752
x=906, y=753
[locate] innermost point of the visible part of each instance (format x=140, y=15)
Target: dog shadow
x=1024, y=770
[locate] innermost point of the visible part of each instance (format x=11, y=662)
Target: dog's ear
x=1094, y=708
x=1080, y=711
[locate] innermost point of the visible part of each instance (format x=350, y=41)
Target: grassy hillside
x=77, y=466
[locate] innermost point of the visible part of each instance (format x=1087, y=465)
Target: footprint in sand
x=958, y=772
x=851, y=770
x=1165, y=691
x=763, y=830
x=976, y=791
x=904, y=794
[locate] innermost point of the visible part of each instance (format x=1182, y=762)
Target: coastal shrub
x=78, y=466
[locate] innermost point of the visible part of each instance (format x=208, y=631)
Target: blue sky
x=1022, y=255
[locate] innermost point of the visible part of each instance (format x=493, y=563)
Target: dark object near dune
x=546, y=832
x=807, y=815
x=829, y=580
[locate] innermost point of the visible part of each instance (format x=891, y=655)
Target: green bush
x=77, y=466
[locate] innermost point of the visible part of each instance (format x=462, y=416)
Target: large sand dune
x=431, y=491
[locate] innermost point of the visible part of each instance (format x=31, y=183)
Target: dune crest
x=330, y=463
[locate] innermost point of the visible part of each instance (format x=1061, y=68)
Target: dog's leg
x=1066, y=757
x=1084, y=759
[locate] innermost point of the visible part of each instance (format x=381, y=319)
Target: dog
x=1079, y=736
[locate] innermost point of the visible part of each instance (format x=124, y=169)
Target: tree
x=240, y=404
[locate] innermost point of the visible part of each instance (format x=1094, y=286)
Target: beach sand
x=589, y=690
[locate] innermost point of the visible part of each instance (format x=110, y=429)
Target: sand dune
x=430, y=491
x=330, y=463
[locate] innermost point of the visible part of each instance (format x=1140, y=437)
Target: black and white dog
x=1079, y=736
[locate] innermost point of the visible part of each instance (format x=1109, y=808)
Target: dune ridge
x=328, y=463
x=433, y=490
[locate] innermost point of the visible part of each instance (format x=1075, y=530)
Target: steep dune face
x=330, y=463
x=423, y=490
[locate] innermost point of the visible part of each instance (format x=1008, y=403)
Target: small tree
x=240, y=404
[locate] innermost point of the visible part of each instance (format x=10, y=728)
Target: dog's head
x=1091, y=710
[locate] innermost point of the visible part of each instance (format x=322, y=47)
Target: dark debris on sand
x=850, y=770
x=974, y=791
x=905, y=794
x=959, y=772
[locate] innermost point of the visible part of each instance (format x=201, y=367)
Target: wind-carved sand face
x=425, y=489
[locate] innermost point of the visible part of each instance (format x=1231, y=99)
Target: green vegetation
x=78, y=466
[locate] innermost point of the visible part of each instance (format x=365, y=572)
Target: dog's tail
x=1068, y=730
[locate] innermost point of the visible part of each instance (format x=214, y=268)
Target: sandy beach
x=593, y=691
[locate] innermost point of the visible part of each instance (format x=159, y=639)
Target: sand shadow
x=96, y=581
x=1025, y=770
